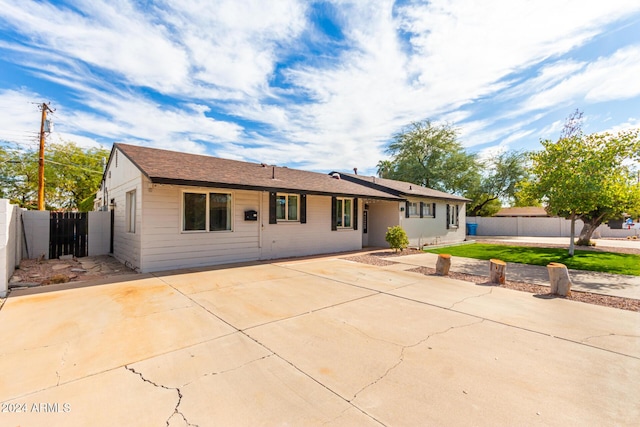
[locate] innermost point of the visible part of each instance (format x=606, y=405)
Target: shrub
x=397, y=238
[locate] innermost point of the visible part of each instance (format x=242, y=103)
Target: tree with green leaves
x=19, y=177
x=501, y=175
x=430, y=155
x=587, y=177
x=72, y=175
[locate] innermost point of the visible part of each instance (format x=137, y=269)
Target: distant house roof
x=400, y=188
x=171, y=167
x=529, y=211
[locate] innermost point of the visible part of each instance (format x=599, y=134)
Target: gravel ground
x=383, y=259
x=46, y=272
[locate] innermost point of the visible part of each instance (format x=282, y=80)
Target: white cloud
x=335, y=112
x=111, y=35
x=233, y=44
x=613, y=77
x=462, y=48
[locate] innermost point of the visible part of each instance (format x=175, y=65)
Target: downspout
x=260, y=215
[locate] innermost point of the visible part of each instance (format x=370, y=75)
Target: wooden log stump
x=497, y=271
x=559, y=279
x=443, y=264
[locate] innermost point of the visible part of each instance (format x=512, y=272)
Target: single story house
x=178, y=210
x=428, y=216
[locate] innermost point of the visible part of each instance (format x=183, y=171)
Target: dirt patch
x=382, y=259
x=37, y=272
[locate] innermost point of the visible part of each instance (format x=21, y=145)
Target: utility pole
x=44, y=107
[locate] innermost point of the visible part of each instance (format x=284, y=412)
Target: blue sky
x=316, y=85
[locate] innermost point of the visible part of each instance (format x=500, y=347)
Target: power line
x=75, y=166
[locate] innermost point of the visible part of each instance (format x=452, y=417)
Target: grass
x=606, y=262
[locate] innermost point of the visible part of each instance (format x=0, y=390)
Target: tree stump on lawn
x=559, y=278
x=497, y=271
x=443, y=264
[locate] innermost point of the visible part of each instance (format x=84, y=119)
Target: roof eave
x=210, y=184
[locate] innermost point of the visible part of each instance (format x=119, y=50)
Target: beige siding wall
x=315, y=237
x=421, y=231
x=381, y=216
x=166, y=246
x=121, y=178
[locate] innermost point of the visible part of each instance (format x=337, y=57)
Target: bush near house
x=397, y=238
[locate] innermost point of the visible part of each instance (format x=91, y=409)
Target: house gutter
x=191, y=183
x=260, y=213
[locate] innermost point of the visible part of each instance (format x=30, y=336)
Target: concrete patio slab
x=363, y=345
x=79, y=332
x=116, y=397
x=251, y=304
x=570, y=320
x=266, y=391
x=350, y=346
x=366, y=276
x=202, y=280
x=491, y=374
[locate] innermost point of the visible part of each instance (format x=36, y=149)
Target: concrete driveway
x=313, y=342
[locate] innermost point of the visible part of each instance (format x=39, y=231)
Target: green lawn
x=607, y=262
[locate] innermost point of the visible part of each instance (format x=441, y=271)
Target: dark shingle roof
x=171, y=167
x=400, y=188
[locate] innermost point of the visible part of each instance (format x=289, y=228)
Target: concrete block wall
x=36, y=227
x=539, y=227
x=10, y=243
x=99, y=233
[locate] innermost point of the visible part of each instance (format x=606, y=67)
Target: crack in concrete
x=471, y=297
x=176, y=411
x=361, y=332
x=401, y=359
x=63, y=361
x=210, y=374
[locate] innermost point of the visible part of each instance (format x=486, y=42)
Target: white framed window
x=287, y=207
x=130, y=204
x=344, y=212
x=427, y=209
x=206, y=211
x=414, y=208
x=452, y=216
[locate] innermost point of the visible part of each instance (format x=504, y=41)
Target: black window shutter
x=421, y=209
x=433, y=209
x=303, y=209
x=272, y=208
x=406, y=209
x=334, y=219
x=448, y=215
x=457, y=215
x=355, y=213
